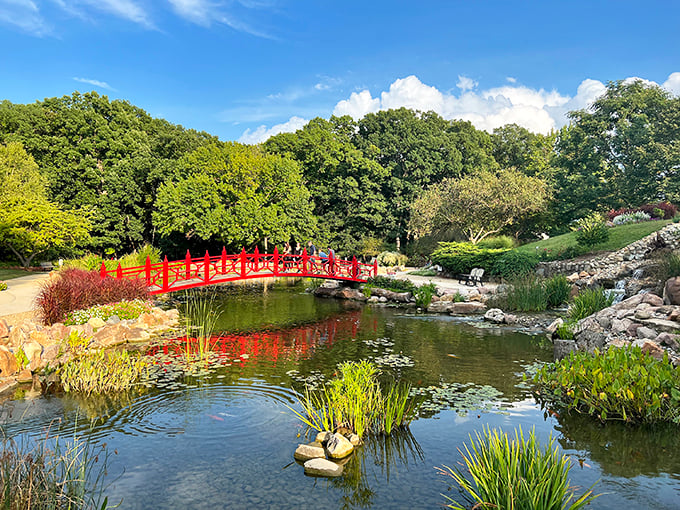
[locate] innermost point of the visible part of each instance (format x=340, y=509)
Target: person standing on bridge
x=311, y=249
x=287, y=255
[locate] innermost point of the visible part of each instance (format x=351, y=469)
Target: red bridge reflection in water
x=288, y=344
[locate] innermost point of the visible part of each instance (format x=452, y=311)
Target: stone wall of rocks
x=623, y=261
x=43, y=345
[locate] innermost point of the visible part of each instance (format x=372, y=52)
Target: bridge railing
x=197, y=272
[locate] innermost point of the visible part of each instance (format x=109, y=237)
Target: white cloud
x=96, y=83
x=205, y=13
x=24, y=15
x=262, y=133
x=126, y=9
x=511, y=79
x=465, y=83
x=672, y=84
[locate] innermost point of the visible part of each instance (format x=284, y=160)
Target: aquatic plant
x=201, y=315
x=620, y=384
x=514, y=472
x=588, y=302
x=101, y=372
x=557, y=289
x=123, y=310
x=527, y=294
x=49, y=476
x=424, y=293
x=356, y=400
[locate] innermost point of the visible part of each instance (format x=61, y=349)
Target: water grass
x=527, y=294
x=201, y=315
x=588, y=302
x=101, y=372
x=357, y=401
x=507, y=472
x=51, y=475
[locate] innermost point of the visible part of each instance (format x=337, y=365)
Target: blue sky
x=245, y=69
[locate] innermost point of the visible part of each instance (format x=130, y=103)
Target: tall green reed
x=201, y=315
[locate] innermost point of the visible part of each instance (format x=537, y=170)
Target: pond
x=225, y=439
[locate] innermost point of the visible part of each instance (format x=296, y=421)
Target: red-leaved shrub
x=76, y=289
x=669, y=210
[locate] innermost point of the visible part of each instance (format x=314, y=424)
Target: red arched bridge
x=191, y=272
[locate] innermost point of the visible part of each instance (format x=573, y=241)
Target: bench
x=46, y=266
x=474, y=277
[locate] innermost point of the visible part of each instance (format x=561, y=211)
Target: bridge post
x=375, y=267
x=206, y=267
x=276, y=261
x=224, y=260
x=257, y=259
x=187, y=264
x=119, y=271
x=355, y=268
x=102, y=271
x=147, y=270
x=305, y=258
x=243, y=262
x=165, y=273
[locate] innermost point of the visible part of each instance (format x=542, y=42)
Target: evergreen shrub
x=458, y=257
x=392, y=258
x=514, y=263
x=498, y=242
x=591, y=230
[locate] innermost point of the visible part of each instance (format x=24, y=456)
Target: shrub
x=101, y=372
x=509, y=472
x=423, y=272
x=527, y=294
x=93, y=262
x=669, y=210
x=3, y=286
x=496, y=243
x=463, y=257
x=370, y=247
x=634, y=217
x=591, y=230
x=588, y=302
x=558, y=289
x=392, y=258
x=424, y=293
x=393, y=284
x=669, y=267
x=50, y=475
x=620, y=384
x=356, y=400
x=123, y=310
x=76, y=289
x=565, y=331
x=514, y=263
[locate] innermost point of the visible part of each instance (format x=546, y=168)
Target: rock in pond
x=322, y=467
x=338, y=446
x=309, y=451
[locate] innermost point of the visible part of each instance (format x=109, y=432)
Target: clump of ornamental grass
x=506, y=472
x=558, y=290
x=123, y=310
x=75, y=289
x=50, y=475
x=102, y=372
x=588, y=302
x=527, y=294
x=201, y=315
x=620, y=384
x=424, y=293
x=357, y=401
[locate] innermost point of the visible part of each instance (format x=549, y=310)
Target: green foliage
x=591, y=230
x=658, y=213
x=508, y=472
x=423, y=272
x=669, y=267
x=201, y=315
x=101, y=372
x=620, y=384
x=3, y=286
x=558, y=289
x=424, y=293
x=514, y=263
x=497, y=243
x=92, y=262
x=393, y=284
x=123, y=310
x=588, y=302
x=392, y=258
x=49, y=475
x=356, y=400
x=463, y=257
x=527, y=294
x=21, y=358
x=369, y=247
x=565, y=331
x=480, y=204
x=236, y=195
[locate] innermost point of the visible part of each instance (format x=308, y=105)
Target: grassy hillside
x=619, y=237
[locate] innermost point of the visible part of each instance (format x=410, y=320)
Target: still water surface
x=226, y=440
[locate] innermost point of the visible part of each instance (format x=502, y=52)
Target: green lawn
x=8, y=274
x=618, y=238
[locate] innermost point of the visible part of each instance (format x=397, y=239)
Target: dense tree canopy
x=237, y=195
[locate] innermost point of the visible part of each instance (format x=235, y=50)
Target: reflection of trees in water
x=623, y=450
x=387, y=452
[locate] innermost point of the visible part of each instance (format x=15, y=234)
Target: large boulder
x=8, y=362
x=467, y=308
x=495, y=315
x=562, y=348
x=4, y=329
x=338, y=446
x=353, y=294
x=650, y=347
x=440, y=307
x=671, y=291
x=322, y=467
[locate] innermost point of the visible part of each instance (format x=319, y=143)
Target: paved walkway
x=19, y=298
x=450, y=284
